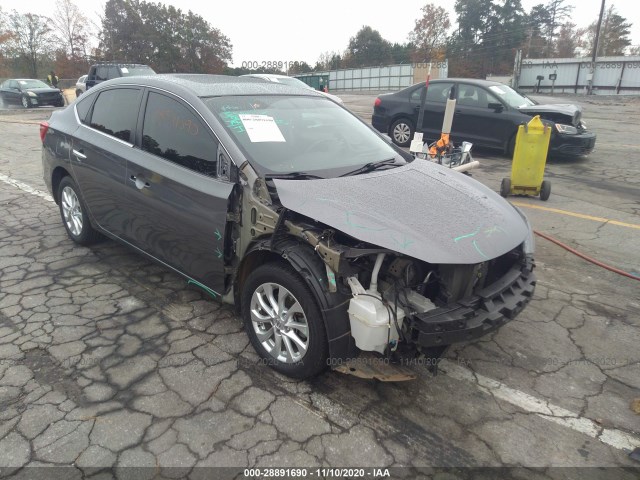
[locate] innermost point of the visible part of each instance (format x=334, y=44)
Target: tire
x=25, y=102
x=505, y=187
x=545, y=190
x=401, y=132
x=74, y=214
x=78, y=93
x=276, y=344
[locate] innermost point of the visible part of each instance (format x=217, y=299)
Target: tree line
x=481, y=40
x=485, y=36
x=132, y=31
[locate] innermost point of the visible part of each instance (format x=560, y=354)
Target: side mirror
x=497, y=107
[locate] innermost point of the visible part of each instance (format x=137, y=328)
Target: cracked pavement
x=110, y=361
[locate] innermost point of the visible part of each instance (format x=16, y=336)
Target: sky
x=294, y=30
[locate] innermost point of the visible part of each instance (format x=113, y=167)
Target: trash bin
x=529, y=160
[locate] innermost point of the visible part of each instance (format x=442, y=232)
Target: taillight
x=44, y=126
x=377, y=102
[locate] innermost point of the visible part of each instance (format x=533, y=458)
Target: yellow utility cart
x=529, y=160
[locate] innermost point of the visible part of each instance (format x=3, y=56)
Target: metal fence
x=611, y=75
x=388, y=77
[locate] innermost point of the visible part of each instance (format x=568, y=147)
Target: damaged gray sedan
x=330, y=240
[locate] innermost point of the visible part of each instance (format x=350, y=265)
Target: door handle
x=79, y=155
x=140, y=182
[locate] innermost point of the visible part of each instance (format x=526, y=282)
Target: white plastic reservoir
x=372, y=324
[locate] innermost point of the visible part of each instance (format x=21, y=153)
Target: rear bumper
x=479, y=314
x=380, y=123
x=573, y=145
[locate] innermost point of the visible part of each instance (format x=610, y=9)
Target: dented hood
x=572, y=113
x=421, y=209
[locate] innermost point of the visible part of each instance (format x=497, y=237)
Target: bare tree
x=71, y=28
x=31, y=37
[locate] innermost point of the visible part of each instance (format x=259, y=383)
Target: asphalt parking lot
x=108, y=360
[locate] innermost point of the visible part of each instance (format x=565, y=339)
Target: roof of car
x=472, y=81
x=203, y=85
x=265, y=75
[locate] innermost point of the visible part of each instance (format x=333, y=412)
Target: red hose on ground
x=585, y=257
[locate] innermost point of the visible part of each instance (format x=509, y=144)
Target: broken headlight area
x=398, y=301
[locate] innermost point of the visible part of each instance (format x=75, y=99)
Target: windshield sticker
x=124, y=69
x=261, y=128
x=497, y=89
x=232, y=120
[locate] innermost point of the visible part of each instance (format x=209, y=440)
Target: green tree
x=614, y=34
x=368, y=48
x=429, y=35
x=163, y=37
x=538, y=21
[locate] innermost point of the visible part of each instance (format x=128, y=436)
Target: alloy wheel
x=71, y=211
x=401, y=133
x=279, y=323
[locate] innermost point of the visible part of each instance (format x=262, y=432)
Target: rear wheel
x=402, y=132
x=283, y=321
x=74, y=214
x=505, y=187
x=545, y=190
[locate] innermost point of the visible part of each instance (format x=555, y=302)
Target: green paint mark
x=332, y=278
x=351, y=224
x=472, y=234
x=475, y=244
x=218, y=252
x=203, y=287
x=491, y=230
x=406, y=243
x=218, y=234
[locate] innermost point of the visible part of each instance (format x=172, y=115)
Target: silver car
x=81, y=85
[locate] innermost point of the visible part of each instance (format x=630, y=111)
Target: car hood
x=421, y=209
x=567, y=113
x=42, y=90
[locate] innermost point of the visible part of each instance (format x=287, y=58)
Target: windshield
x=509, y=96
x=132, y=71
x=293, y=82
x=32, y=84
x=284, y=134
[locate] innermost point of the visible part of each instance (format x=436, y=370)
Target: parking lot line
x=578, y=215
x=25, y=188
x=530, y=404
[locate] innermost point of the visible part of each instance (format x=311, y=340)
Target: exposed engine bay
x=394, y=299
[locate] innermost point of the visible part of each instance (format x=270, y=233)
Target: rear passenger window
x=82, y=107
x=175, y=133
x=115, y=112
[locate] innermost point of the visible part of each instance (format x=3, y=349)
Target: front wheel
x=402, y=132
x=283, y=321
x=25, y=102
x=74, y=214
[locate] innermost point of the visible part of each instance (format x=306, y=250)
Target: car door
x=14, y=95
x=435, y=104
x=480, y=117
x=177, y=205
x=101, y=146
